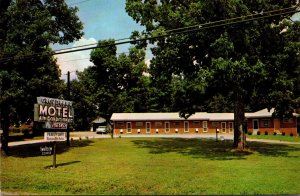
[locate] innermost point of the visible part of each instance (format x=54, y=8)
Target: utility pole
x=68, y=94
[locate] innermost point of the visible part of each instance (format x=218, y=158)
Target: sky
x=102, y=19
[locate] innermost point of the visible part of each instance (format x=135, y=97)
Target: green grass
x=284, y=138
x=153, y=166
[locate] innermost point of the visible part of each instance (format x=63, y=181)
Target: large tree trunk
x=239, y=123
x=4, y=136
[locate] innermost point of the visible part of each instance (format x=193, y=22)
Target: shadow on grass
x=210, y=149
x=33, y=150
x=62, y=164
x=20, y=138
x=274, y=150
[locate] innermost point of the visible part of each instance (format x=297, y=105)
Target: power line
x=193, y=26
x=86, y=45
x=190, y=29
x=78, y=2
x=118, y=53
x=239, y=17
x=196, y=28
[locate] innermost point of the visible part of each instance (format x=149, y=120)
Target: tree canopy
x=27, y=67
x=253, y=58
x=116, y=83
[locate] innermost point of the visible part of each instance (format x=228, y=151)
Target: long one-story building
x=201, y=122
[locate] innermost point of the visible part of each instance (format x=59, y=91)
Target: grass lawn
x=153, y=166
x=285, y=138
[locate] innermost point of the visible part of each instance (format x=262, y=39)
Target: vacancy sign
x=55, y=136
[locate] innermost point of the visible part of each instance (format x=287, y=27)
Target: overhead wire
x=76, y=3
x=171, y=32
x=118, y=53
x=189, y=27
x=195, y=28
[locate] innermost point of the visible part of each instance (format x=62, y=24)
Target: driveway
x=92, y=135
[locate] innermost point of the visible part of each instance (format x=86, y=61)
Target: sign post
x=53, y=137
x=54, y=155
x=56, y=114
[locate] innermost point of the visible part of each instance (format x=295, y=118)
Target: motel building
x=201, y=123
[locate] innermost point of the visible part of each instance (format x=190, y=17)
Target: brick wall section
x=285, y=125
x=201, y=122
x=175, y=127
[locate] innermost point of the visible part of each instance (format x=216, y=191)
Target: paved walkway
x=93, y=135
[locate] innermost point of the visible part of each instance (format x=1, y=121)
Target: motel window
x=120, y=124
x=215, y=124
x=265, y=123
x=167, y=126
x=158, y=124
x=223, y=127
x=129, y=127
x=186, y=126
x=204, y=126
x=148, y=127
x=139, y=124
x=230, y=127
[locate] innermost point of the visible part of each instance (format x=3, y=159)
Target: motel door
x=255, y=126
x=148, y=127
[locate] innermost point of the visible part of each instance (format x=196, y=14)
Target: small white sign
x=55, y=136
x=46, y=150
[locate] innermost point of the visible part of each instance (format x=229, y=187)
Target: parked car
x=101, y=130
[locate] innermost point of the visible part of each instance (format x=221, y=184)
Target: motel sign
x=56, y=113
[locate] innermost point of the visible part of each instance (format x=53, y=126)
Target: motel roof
x=147, y=116
x=170, y=116
x=220, y=116
x=265, y=113
x=260, y=114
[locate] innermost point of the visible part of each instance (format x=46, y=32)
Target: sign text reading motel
x=56, y=113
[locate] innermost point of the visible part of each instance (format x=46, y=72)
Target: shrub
x=266, y=133
x=26, y=131
x=274, y=133
x=15, y=130
x=250, y=132
x=258, y=132
x=283, y=133
x=291, y=134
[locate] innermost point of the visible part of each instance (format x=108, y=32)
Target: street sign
x=55, y=136
x=46, y=150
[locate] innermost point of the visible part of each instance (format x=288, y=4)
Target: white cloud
x=296, y=17
x=75, y=61
x=148, y=62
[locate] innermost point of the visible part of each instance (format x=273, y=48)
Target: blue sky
x=102, y=19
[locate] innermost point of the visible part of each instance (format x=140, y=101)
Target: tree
x=252, y=60
x=27, y=67
x=82, y=104
x=116, y=83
